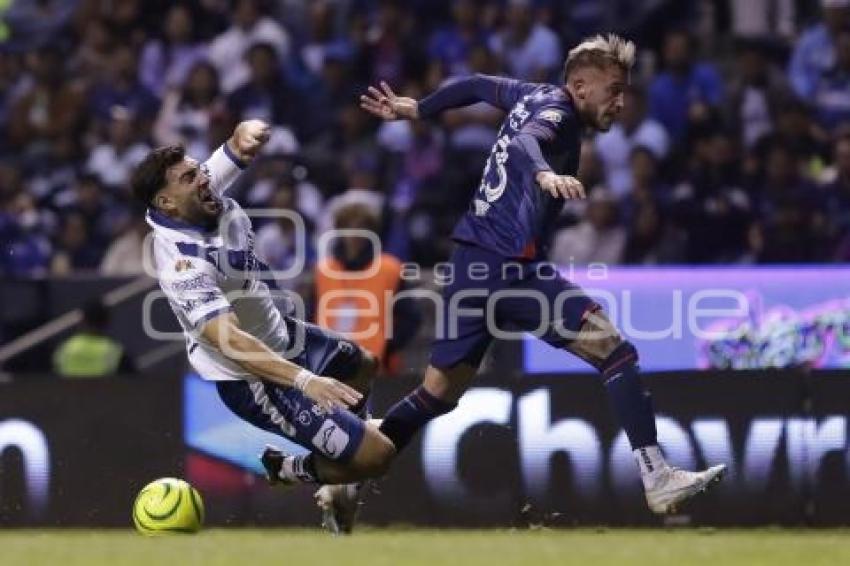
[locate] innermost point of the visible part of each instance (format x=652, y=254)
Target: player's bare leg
x=339, y=496
x=340, y=502
x=599, y=343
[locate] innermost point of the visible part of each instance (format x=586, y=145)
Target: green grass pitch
x=409, y=547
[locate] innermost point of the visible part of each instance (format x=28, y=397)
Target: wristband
x=302, y=378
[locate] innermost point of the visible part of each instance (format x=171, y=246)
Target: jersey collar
x=157, y=218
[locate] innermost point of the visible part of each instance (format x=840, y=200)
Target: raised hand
x=386, y=105
x=560, y=185
x=248, y=137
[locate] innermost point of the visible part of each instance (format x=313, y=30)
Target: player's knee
x=597, y=340
x=376, y=454
x=621, y=356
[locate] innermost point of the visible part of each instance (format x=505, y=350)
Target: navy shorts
x=288, y=412
x=516, y=295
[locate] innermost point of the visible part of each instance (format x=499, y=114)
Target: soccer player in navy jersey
x=499, y=255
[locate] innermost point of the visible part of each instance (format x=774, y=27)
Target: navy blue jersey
x=510, y=214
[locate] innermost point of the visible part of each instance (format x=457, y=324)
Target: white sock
x=650, y=462
x=293, y=469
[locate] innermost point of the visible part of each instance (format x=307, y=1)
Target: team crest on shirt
x=183, y=265
x=551, y=116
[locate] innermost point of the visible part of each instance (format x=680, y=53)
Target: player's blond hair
x=600, y=51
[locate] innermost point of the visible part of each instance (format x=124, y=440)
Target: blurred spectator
x=831, y=96
x=789, y=230
x=686, y=89
x=90, y=352
x=598, y=238
x=50, y=108
x=13, y=83
x=186, y=114
x=652, y=240
x=166, y=61
x=278, y=172
x=279, y=242
x=418, y=165
x=125, y=255
x=646, y=182
x=763, y=19
x=122, y=88
x=250, y=27
x=388, y=48
x=836, y=195
x=632, y=129
x=449, y=46
x=76, y=249
x=92, y=57
x=357, y=307
x=814, y=53
x=113, y=161
x=756, y=93
x=322, y=39
x=24, y=246
x=336, y=87
x=99, y=208
x=796, y=130
x=267, y=95
x=33, y=24
x=710, y=205
x=362, y=173
x=530, y=50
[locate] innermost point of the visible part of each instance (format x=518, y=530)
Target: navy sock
x=630, y=401
x=410, y=414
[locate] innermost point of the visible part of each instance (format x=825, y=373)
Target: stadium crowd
x=734, y=146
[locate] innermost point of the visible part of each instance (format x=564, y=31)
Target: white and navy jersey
x=207, y=273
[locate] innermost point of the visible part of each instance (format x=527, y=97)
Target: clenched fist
x=560, y=185
x=248, y=137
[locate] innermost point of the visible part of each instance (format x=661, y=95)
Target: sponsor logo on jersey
x=551, y=116
x=183, y=265
x=330, y=440
x=200, y=281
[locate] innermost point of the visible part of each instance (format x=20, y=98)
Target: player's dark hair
x=149, y=175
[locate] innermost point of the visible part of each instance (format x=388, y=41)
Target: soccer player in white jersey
x=279, y=373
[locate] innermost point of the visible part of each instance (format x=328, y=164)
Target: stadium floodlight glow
x=28, y=439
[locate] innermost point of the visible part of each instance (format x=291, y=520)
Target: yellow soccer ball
x=168, y=505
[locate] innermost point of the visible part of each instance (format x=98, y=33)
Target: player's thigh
x=544, y=304
x=375, y=452
x=461, y=335
x=328, y=353
x=597, y=339
x=286, y=411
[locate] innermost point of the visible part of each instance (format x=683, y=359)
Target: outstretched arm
x=257, y=359
x=540, y=132
x=497, y=91
x=225, y=164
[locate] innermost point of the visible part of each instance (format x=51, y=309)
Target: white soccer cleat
x=672, y=486
x=339, y=504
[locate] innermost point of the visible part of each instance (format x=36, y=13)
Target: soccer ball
x=168, y=505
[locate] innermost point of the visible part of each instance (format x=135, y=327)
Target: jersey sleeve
x=191, y=287
x=497, y=91
x=541, y=131
x=223, y=166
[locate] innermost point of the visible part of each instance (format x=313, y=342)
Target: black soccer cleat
x=272, y=459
